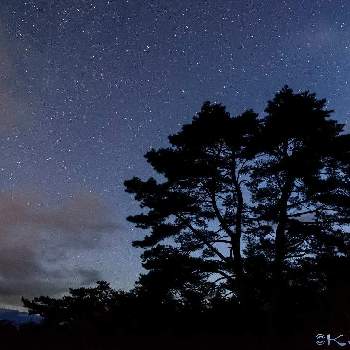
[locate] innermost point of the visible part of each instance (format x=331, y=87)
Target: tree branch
x=218, y=214
x=302, y=213
x=202, y=237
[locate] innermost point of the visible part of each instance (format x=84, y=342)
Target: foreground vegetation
x=247, y=232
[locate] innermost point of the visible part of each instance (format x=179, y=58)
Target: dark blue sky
x=87, y=87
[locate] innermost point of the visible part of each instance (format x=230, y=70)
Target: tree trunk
x=236, y=247
x=236, y=244
x=280, y=253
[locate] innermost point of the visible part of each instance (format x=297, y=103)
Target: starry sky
x=87, y=87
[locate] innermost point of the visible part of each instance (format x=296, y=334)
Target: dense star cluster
x=87, y=87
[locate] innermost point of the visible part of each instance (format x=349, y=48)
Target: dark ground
x=161, y=342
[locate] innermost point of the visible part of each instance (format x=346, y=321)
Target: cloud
x=37, y=243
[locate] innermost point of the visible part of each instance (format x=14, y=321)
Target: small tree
x=81, y=310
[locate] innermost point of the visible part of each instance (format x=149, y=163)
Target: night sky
x=87, y=87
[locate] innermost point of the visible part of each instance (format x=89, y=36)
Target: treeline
x=247, y=231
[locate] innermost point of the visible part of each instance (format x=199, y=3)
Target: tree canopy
x=247, y=220
x=251, y=198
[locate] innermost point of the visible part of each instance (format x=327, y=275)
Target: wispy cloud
x=36, y=241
